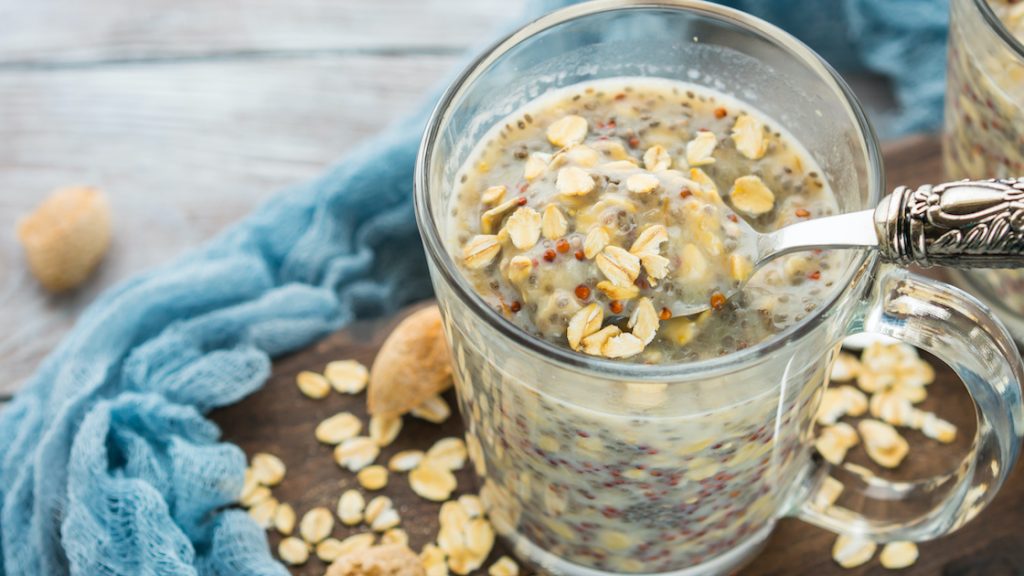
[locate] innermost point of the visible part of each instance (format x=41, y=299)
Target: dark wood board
x=278, y=419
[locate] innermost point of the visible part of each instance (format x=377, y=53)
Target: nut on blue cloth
x=107, y=463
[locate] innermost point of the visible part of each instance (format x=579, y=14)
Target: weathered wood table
x=190, y=113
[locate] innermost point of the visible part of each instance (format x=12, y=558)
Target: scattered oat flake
x=892, y=408
x=596, y=240
x=829, y=491
x=655, y=265
x=846, y=367
x=915, y=394
x=553, y=222
x=622, y=345
x=649, y=241
x=350, y=507
x=435, y=409
x=751, y=196
x=644, y=321
x=882, y=356
x=574, y=181
x=479, y=537
x=357, y=543
x=493, y=194
x=505, y=566
x=385, y=428
x=833, y=442
x=839, y=401
x=748, y=135
x=405, y=460
x=897, y=555
x=872, y=381
x=657, y=158
x=376, y=507
x=583, y=323
x=249, y=486
x=338, y=428
x=432, y=482
x=395, y=536
x=264, y=512
x=453, y=522
x=293, y=551
x=386, y=520
x=347, y=376
x=255, y=496
x=356, y=453
x=373, y=477
x=329, y=550
x=642, y=183
x=851, y=551
x=449, y=453
x=463, y=561
x=313, y=385
x=432, y=559
x=383, y=560
x=615, y=292
x=519, y=269
x=480, y=251
x=524, y=227
x=567, y=131
x=284, y=519
x=492, y=217
x=594, y=344
x=535, y=165
x=937, y=429
x=316, y=525
x=582, y=155
x=883, y=443
x=618, y=265
x=472, y=505
x=699, y=150
x=268, y=469
x=917, y=372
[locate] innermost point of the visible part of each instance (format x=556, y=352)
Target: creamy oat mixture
x=984, y=110
x=586, y=214
x=1011, y=12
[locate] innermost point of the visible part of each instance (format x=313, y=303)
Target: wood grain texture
x=182, y=151
x=190, y=113
x=278, y=419
x=75, y=32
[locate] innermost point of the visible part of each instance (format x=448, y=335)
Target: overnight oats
x=580, y=219
x=984, y=112
x=585, y=215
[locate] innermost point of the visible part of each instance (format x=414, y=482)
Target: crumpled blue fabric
x=108, y=465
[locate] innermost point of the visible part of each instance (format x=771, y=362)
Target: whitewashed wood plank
x=88, y=30
x=182, y=150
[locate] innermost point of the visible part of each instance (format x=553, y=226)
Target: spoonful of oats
x=964, y=224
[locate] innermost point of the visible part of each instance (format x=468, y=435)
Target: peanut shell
x=412, y=365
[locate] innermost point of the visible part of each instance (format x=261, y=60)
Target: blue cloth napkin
x=107, y=463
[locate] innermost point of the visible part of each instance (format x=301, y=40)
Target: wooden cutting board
x=279, y=420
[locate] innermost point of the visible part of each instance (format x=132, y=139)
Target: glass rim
x=430, y=232
x=993, y=21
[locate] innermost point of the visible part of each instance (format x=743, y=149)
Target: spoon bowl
x=965, y=224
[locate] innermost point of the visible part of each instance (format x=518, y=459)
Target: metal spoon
x=965, y=224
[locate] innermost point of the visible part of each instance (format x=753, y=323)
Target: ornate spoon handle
x=966, y=224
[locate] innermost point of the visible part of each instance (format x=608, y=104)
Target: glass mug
x=589, y=466
x=983, y=134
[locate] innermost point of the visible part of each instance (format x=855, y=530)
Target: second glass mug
x=589, y=466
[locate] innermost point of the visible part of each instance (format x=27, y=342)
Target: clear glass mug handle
x=958, y=329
